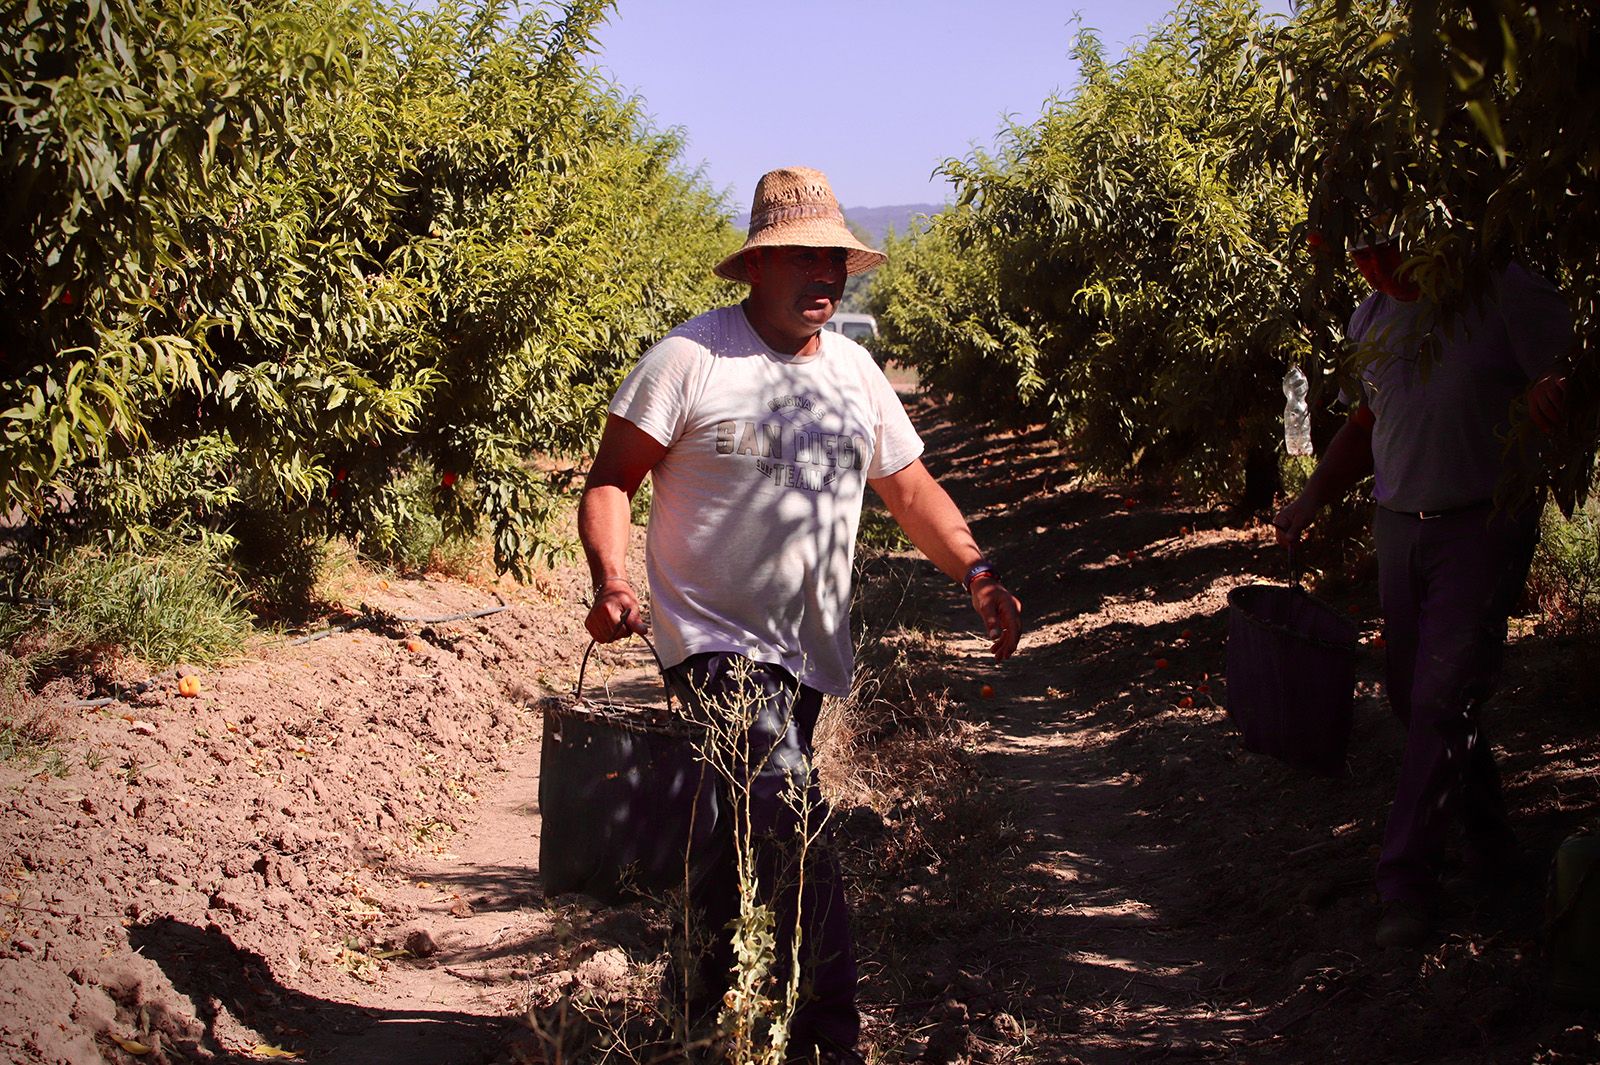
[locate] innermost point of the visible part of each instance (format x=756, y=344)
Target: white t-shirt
x=1442, y=389
x=754, y=508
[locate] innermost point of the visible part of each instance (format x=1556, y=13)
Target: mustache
x=828, y=291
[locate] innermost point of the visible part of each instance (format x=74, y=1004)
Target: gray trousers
x=1447, y=584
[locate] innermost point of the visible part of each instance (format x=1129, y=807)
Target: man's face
x=796, y=290
x=1380, y=263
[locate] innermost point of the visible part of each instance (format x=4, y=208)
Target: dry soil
x=332, y=852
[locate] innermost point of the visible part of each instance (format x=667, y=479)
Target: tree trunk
x=1261, y=479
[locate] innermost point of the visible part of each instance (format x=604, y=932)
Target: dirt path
x=1176, y=898
x=485, y=938
x=479, y=920
x=334, y=850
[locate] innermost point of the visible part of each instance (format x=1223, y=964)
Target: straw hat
x=794, y=207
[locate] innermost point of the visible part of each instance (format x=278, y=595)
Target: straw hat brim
x=804, y=233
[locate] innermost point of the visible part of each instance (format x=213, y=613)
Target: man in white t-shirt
x=761, y=432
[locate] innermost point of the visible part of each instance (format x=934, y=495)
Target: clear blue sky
x=875, y=92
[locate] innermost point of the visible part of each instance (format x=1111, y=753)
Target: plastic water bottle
x=1296, y=415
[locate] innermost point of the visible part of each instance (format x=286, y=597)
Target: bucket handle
x=584, y=666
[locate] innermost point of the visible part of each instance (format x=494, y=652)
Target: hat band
x=772, y=216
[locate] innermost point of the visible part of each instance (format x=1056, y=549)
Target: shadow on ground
x=220, y=977
x=1121, y=882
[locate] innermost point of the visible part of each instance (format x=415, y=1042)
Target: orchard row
x=1142, y=265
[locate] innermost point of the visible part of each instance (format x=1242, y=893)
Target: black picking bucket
x=621, y=796
x=1291, y=676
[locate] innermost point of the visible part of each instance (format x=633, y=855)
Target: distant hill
x=900, y=217
x=876, y=221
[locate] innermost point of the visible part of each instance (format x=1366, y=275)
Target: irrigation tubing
x=334, y=629
x=123, y=691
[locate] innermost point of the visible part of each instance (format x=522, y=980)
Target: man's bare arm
x=1347, y=461
x=627, y=453
x=930, y=518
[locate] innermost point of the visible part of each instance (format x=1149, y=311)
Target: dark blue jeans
x=770, y=758
x=1448, y=584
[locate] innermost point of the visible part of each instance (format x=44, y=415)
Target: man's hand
x=1347, y=460
x=615, y=614
x=1293, y=519
x=1547, y=402
x=1001, y=614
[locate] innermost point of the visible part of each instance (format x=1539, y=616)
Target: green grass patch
x=23, y=744
x=164, y=606
x=1564, y=581
x=407, y=531
x=879, y=531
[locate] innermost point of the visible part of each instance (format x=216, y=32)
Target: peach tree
x=1468, y=122
x=1141, y=264
x=265, y=257
x=1134, y=269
